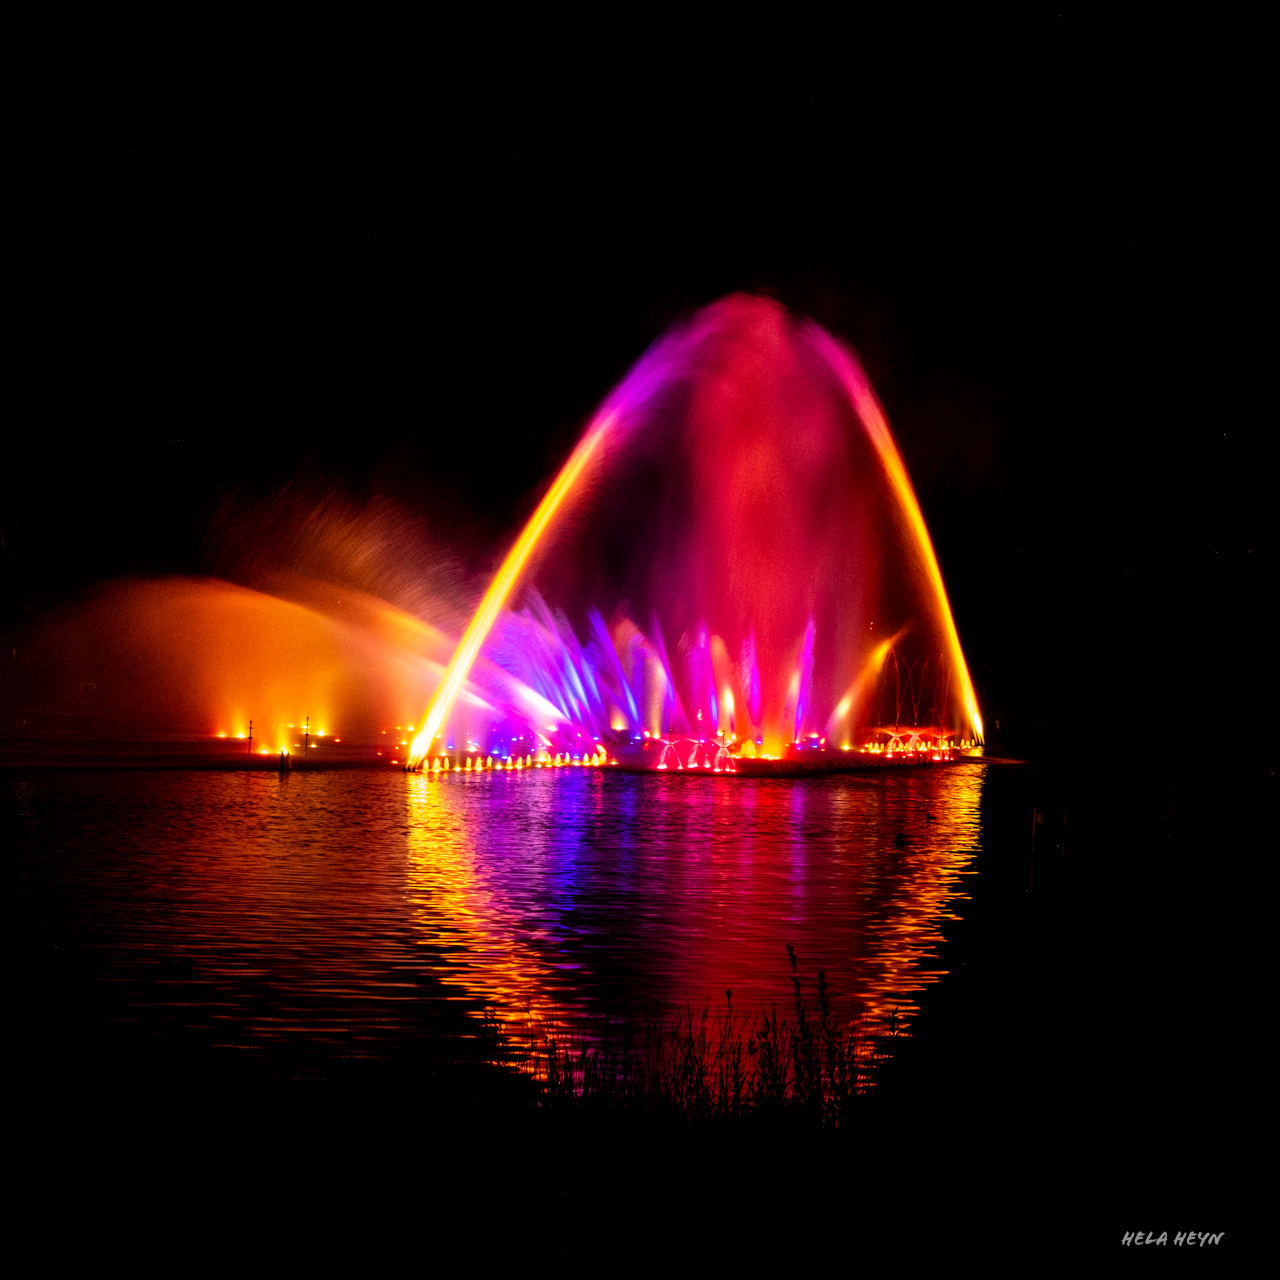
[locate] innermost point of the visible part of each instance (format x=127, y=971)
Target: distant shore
x=231, y=756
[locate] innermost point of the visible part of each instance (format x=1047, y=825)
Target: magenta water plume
x=733, y=553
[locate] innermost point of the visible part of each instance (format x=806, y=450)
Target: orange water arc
x=500, y=588
x=877, y=428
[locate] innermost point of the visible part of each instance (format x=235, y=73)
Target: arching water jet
x=736, y=499
x=491, y=605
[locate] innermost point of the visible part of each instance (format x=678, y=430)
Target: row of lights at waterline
x=544, y=758
x=486, y=764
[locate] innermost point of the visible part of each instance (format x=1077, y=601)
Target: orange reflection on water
x=542, y=889
x=458, y=904
x=325, y=908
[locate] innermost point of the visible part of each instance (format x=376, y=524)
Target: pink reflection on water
x=262, y=913
x=544, y=889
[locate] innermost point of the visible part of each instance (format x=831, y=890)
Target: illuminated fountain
x=726, y=570
x=731, y=573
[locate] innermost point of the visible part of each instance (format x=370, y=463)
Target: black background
x=407, y=265
x=404, y=265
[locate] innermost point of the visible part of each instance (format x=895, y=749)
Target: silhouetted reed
x=719, y=1066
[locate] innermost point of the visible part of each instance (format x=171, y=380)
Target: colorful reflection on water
x=545, y=889
x=264, y=908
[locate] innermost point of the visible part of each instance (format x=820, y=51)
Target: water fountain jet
x=773, y=484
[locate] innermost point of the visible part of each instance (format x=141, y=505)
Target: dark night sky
x=414, y=277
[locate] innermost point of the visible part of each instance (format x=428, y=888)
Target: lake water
x=251, y=910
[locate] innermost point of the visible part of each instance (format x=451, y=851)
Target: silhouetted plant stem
x=698, y=1069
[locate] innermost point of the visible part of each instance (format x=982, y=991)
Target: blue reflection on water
x=299, y=905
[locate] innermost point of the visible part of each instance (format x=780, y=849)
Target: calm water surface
x=260, y=908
